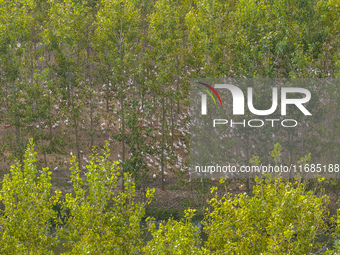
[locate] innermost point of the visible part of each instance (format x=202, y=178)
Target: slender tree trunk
x=68, y=95
x=302, y=146
x=163, y=138
x=123, y=135
x=178, y=100
x=247, y=148
x=302, y=140
x=91, y=88
x=75, y=123
x=172, y=126
x=17, y=120
x=49, y=102
x=122, y=98
x=290, y=136
x=107, y=98
x=42, y=144
x=77, y=140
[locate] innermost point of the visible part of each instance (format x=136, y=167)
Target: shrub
x=175, y=237
x=100, y=219
x=279, y=218
x=28, y=214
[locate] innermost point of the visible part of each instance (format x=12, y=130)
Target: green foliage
x=278, y=218
x=175, y=237
x=336, y=235
x=28, y=215
x=276, y=153
x=54, y=53
x=100, y=219
x=136, y=164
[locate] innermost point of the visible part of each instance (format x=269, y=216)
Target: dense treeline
x=76, y=73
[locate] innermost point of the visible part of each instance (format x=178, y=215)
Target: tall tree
x=117, y=46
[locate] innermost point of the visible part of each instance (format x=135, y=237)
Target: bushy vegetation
x=97, y=218
x=278, y=218
x=77, y=73
x=28, y=215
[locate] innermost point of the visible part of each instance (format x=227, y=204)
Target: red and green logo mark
x=209, y=93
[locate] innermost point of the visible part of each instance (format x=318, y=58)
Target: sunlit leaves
x=279, y=217
x=100, y=218
x=28, y=215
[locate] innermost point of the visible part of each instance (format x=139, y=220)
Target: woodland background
x=74, y=74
